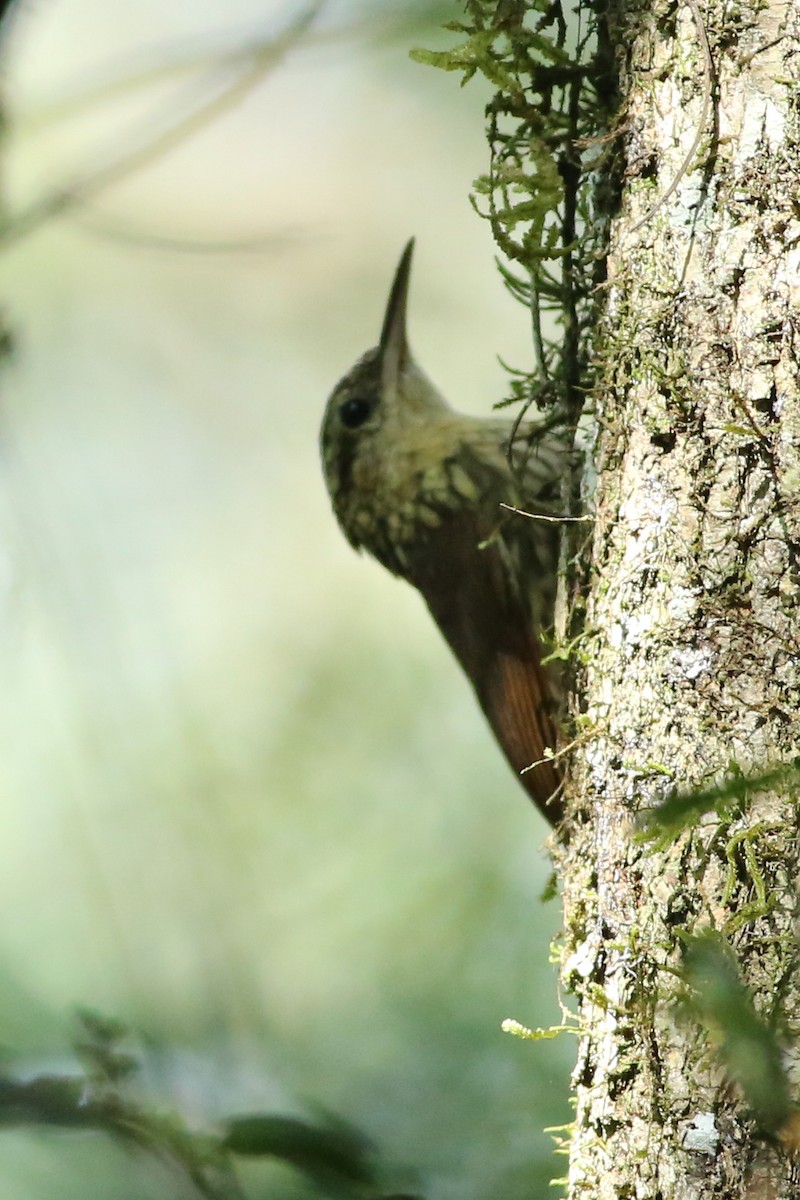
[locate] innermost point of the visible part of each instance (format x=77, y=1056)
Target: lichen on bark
x=693, y=641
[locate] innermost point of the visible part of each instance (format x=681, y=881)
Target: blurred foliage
x=748, y=1047
x=335, y=1158
x=727, y=798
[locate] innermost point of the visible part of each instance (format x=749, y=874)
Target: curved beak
x=394, y=344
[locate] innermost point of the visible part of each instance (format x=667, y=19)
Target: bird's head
x=383, y=395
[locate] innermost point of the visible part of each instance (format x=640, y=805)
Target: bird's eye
x=354, y=412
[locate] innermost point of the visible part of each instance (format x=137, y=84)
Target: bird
x=428, y=492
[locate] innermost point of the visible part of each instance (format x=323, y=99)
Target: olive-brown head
x=384, y=428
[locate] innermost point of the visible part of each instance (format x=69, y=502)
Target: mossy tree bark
x=694, y=628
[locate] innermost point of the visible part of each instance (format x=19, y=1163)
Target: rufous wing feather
x=476, y=601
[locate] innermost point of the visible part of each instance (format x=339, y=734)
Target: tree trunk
x=693, y=632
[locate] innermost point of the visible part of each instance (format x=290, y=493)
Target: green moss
x=547, y=127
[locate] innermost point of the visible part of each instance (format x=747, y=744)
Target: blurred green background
x=248, y=803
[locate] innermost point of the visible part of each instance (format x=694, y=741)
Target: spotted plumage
x=421, y=488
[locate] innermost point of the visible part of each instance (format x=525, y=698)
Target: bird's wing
x=469, y=581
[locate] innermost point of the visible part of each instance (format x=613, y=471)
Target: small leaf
x=741, y=430
x=101, y=1030
x=517, y=1029
x=317, y=1151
